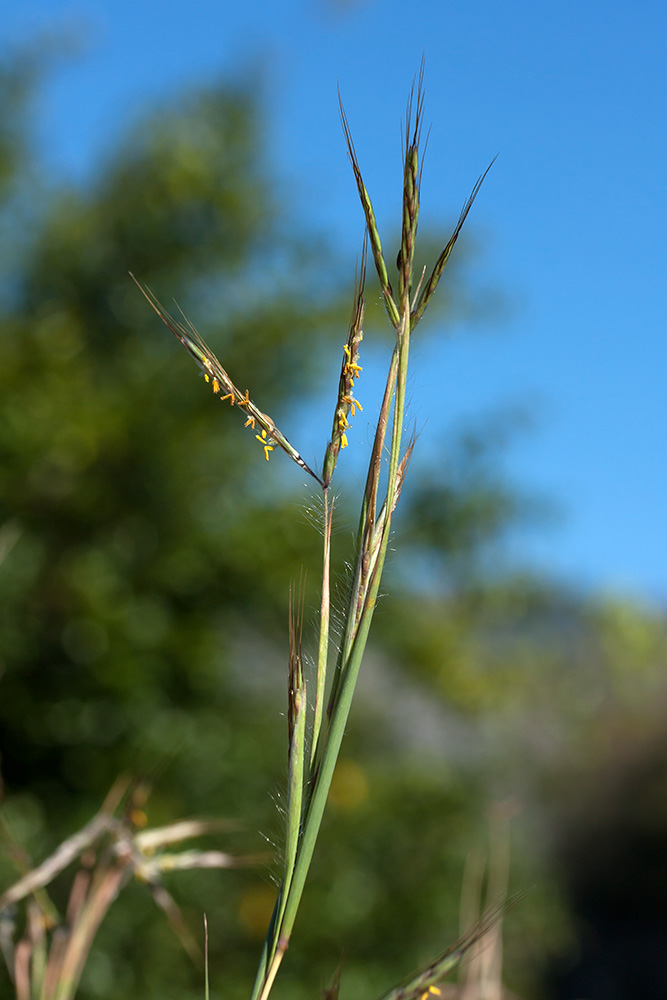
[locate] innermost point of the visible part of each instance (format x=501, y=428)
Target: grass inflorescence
x=315, y=734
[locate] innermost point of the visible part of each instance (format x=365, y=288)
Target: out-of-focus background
x=516, y=680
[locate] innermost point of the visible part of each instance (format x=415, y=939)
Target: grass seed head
x=346, y=403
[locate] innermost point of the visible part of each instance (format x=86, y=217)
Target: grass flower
x=219, y=380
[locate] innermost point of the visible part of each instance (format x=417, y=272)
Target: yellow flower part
x=351, y=369
x=354, y=404
x=263, y=441
x=343, y=440
x=432, y=991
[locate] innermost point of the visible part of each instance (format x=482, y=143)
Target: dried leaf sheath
x=220, y=381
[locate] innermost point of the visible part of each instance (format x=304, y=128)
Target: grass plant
x=319, y=700
x=315, y=734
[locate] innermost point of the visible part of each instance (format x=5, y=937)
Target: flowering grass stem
x=315, y=738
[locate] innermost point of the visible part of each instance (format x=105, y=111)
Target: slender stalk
x=206, y=982
x=370, y=563
x=325, y=615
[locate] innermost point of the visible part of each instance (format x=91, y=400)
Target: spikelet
x=215, y=375
x=346, y=404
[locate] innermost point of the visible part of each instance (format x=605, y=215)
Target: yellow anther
x=343, y=440
x=431, y=991
x=244, y=402
x=263, y=441
x=250, y=422
x=216, y=385
x=229, y=396
x=352, y=403
x=350, y=368
x=207, y=377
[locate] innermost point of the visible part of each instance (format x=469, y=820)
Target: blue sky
x=571, y=223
